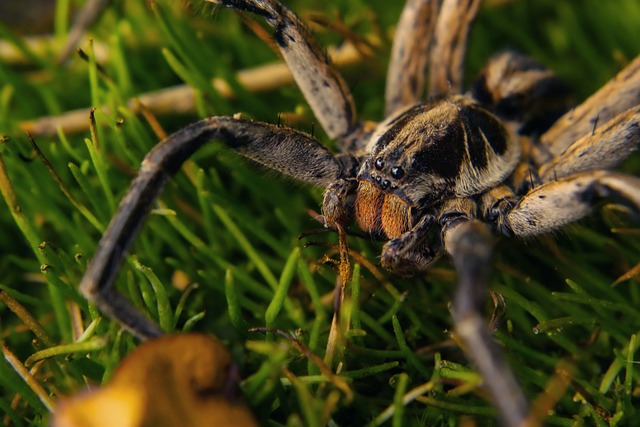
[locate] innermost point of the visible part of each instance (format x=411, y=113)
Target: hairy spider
x=434, y=177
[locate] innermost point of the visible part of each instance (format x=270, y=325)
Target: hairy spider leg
x=526, y=95
x=406, y=76
x=433, y=36
x=566, y=200
x=619, y=94
x=329, y=98
x=470, y=245
x=322, y=86
x=290, y=152
x=446, y=61
x=603, y=148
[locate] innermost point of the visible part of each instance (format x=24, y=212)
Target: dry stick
x=40, y=46
x=87, y=16
x=26, y=317
x=28, y=378
x=336, y=333
x=181, y=99
x=553, y=392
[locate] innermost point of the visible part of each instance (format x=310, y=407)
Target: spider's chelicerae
x=434, y=177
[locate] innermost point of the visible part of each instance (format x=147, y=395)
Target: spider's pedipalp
x=558, y=203
x=323, y=87
x=618, y=95
x=411, y=253
x=604, y=148
x=290, y=152
x=408, y=63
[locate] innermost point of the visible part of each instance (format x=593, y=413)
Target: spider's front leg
x=322, y=86
x=470, y=245
x=290, y=152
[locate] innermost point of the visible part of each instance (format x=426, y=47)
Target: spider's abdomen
x=381, y=214
x=450, y=148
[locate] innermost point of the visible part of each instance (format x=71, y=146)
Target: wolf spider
x=434, y=177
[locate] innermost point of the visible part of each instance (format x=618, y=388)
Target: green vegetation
x=232, y=229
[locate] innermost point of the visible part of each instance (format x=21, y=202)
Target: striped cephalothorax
x=434, y=177
x=425, y=155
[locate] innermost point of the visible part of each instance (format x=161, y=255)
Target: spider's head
x=415, y=155
x=429, y=152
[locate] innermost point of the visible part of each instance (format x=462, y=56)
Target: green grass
x=233, y=230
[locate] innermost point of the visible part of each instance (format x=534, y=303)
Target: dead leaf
x=175, y=380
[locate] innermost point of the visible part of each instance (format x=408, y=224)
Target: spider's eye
x=379, y=163
x=385, y=184
x=397, y=172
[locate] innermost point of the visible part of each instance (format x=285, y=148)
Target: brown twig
x=181, y=99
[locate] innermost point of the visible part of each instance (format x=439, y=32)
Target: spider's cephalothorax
x=426, y=154
x=433, y=177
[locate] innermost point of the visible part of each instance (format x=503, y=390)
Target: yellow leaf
x=175, y=380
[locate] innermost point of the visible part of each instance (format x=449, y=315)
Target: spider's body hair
x=426, y=154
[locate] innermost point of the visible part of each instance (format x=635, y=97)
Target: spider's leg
x=322, y=86
x=408, y=63
x=557, y=203
x=446, y=61
x=603, y=148
x=469, y=244
x=290, y=152
x=526, y=95
x=618, y=95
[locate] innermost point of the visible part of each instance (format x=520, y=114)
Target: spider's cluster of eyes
x=396, y=172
